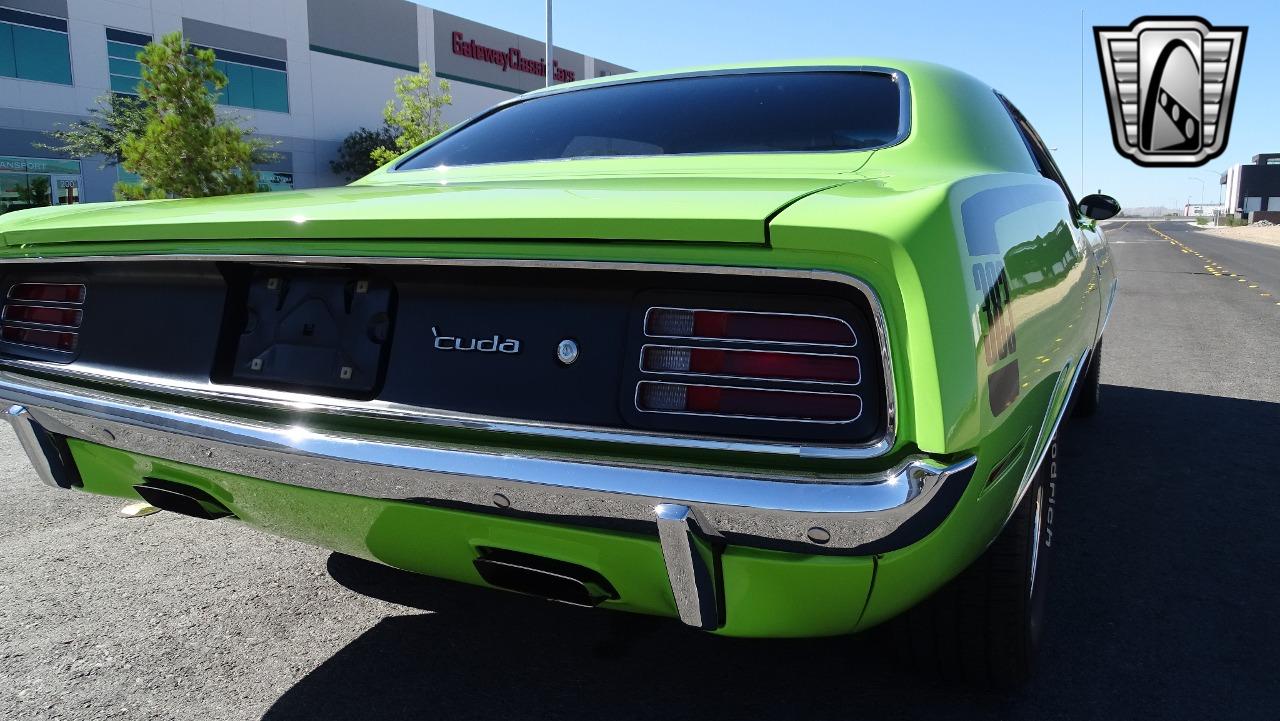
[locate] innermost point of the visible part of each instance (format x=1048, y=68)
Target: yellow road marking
x=1215, y=269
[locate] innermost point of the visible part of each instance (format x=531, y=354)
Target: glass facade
x=271, y=181
x=34, y=47
x=253, y=82
x=122, y=56
x=33, y=182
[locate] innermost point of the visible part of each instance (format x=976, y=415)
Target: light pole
x=550, y=47
x=1198, y=180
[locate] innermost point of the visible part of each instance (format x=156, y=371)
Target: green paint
x=895, y=218
x=761, y=587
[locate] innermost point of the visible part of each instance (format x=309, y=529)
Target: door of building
x=66, y=189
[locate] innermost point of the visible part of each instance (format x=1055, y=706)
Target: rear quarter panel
x=990, y=296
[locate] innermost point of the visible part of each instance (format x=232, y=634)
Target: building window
x=34, y=47
x=123, y=48
x=37, y=182
x=253, y=81
x=270, y=181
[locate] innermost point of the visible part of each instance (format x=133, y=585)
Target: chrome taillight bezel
x=728, y=339
x=774, y=419
x=766, y=417
x=729, y=376
x=14, y=298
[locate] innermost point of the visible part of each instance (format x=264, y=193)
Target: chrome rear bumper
x=853, y=515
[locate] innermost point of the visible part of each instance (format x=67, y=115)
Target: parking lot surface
x=1162, y=601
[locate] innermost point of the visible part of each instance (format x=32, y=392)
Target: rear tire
x=1089, y=394
x=983, y=628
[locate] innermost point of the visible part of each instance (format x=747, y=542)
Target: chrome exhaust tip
x=183, y=499
x=543, y=577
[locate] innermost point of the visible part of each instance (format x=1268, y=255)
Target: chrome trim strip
x=689, y=569
x=1041, y=449
x=842, y=321
x=694, y=374
x=898, y=76
x=768, y=510
x=1111, y=304
x=45, y=457
x=774, y=419
x=388, y=411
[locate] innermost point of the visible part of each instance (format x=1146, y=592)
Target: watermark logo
x=1170, y=84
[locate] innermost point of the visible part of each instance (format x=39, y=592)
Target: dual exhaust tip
x=510, y=570
x=183, y=499
x=543, y=577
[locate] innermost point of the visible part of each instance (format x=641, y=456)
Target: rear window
x=748, y=113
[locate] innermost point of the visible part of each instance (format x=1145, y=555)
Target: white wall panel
x=348, y=94
x=471, y=99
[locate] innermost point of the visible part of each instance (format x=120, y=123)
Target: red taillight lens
x=25, y=307
x=766, y=365
x=44, y=315
x=41, y=338
x=49, y=292
x=748, y=402
x=748, y=326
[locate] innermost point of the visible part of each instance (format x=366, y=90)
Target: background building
x=1202, y=210
x=304, y=72
x=1254, y=187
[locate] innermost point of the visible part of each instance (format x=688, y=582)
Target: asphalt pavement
x=1162, y=602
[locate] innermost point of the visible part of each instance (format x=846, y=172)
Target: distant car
x=776, y=351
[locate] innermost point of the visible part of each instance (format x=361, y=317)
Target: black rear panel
x=477, y=340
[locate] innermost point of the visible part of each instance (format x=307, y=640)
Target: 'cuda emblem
x=1170, y=87
x=496, y=344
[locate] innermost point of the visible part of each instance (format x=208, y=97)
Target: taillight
x=43, y=315
x=751, y=364
x=802, y=369
x=41, y=338
x=51, y=292
x=758, y=403
x=748, y=326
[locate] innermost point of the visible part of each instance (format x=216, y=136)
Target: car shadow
x=1163, y=581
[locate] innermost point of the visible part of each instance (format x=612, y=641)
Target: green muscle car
x=778, y=350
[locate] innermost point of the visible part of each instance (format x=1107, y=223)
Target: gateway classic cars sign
x=475, y=53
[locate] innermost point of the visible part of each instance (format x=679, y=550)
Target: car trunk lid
x=672, y=208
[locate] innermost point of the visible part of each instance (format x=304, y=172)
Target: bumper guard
x=694, y=511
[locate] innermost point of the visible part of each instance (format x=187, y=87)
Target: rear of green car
x=767, y=391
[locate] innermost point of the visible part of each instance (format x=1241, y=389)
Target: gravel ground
x=1267, y=235
x=159, y=617
x=1161, y=605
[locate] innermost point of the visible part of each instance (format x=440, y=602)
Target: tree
x=34, y=194
x=186, y=150
x=415, y=118
x=112, y=119
x=355, y=156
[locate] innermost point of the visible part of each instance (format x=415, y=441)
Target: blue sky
x=1030, y=51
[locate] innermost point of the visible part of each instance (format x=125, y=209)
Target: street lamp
x=1198, y=180
x=550, y=62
